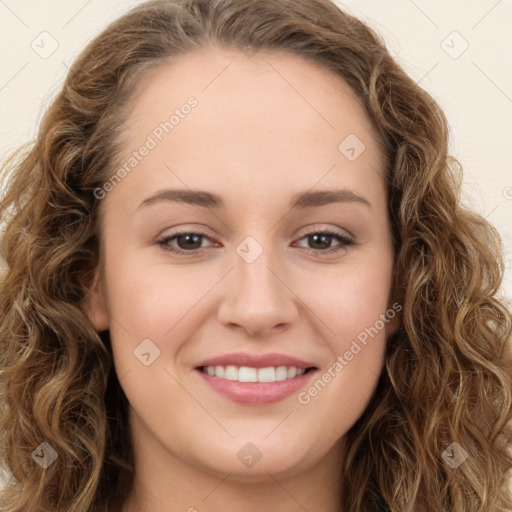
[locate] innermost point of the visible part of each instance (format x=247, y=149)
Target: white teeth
x=248, y=374
x=281, y=373
x=231, y=373
x=267, y=374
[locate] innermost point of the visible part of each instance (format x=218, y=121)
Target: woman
x=252, y=369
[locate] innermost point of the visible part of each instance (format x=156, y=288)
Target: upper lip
x=255, y=361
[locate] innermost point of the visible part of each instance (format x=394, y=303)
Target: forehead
x=276, y=85
x=258, y=122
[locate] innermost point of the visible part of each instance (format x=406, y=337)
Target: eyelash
x=345, y=242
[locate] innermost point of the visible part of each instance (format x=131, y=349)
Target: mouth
x=255, y=379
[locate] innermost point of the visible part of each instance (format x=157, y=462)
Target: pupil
x=190, y=239
x=326, y=240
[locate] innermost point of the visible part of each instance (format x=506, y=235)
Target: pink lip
x=255, y=361
x=256, y=393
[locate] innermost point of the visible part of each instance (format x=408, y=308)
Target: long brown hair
x=447, y=376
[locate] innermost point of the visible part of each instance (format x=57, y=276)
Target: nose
x=257, y=299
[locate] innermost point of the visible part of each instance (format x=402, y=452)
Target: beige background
x=474, y=87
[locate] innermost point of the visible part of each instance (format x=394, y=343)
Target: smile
x=255, y=379
x=249, y=374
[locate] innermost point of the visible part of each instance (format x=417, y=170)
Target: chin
x=253, y=460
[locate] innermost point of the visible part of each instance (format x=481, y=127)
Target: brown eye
x=319, y=242
x=184, y=243
x=189, y=241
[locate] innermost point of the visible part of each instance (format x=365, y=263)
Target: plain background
x=457, y=50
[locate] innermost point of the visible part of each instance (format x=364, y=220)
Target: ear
x=94, y=303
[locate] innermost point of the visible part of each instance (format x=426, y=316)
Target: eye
x=320, y=242
x=188, y=242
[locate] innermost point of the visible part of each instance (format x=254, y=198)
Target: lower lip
x=257, y=393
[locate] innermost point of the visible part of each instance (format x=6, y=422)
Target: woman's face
x=231, y=163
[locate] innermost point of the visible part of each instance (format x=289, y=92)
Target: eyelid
x=187, y=229
x=323, y=228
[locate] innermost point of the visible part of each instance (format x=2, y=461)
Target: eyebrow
x=299, y=201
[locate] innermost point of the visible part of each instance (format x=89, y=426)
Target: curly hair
x=448, y=369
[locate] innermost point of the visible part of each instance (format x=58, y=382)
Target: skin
x=266, y=127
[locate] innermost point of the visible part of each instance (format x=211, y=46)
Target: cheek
x=353, y=312
x=160, y=302
x=349, y=300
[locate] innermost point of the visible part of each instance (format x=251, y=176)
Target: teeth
x=231, y=373
x=266, y=374
x=281, y=373
x=248, y=374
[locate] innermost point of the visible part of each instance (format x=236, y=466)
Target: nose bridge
x=256, y=298
x=255, y=280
